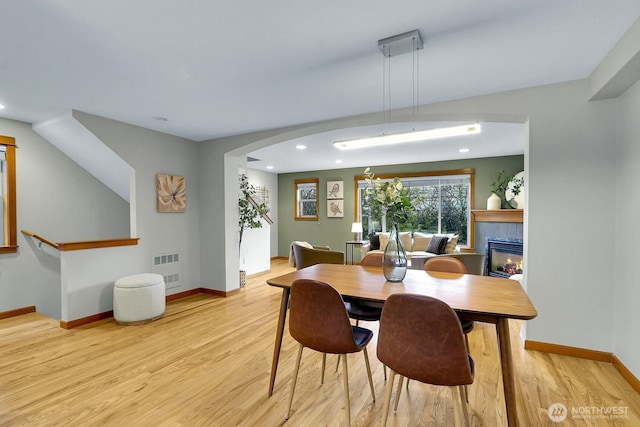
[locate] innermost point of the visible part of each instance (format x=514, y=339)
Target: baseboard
x=566, y=350
x=582, y=353
x=85, y=320
x=107, y=314
x=181, y=295
x=218, y=293
x=280, y=257
x=17, y=312
x=626, y=373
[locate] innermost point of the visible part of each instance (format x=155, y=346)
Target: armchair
x=304, y=256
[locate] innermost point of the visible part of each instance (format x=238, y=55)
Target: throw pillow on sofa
x=437, y=244
x=405, y=238
x=421, y=241
x=451, y=244
x=374, y=241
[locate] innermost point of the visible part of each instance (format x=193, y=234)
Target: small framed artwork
x=335, y=189
x=172, y=196
x=335, y=208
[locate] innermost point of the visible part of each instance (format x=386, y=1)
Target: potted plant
x=249, y=214
x=502, y=183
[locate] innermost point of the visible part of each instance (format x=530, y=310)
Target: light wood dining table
x=478, y=298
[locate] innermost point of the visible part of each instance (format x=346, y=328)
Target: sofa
x=422, y=246
x=415, y=244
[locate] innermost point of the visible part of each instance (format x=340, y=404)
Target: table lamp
x=356, y=229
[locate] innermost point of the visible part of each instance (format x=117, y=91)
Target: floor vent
x=167, y=265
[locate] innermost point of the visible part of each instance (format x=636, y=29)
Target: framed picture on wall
x=335, y=190
x=335, y=208
x=172, y=193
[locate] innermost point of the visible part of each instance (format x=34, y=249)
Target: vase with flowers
x=392, y=199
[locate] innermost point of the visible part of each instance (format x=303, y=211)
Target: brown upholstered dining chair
x=451, y=265
x=363, y=310
x=367, y=311
x=445, y=263
x=371, y=260
x=420, y=338
x=318, y=320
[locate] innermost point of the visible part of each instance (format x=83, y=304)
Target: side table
x=351, y=244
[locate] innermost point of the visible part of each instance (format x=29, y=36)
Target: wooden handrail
x=88, y=244
x=42, y=239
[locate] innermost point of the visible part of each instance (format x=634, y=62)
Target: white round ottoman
x=138, y=299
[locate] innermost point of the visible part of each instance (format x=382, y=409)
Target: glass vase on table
x=394, y=258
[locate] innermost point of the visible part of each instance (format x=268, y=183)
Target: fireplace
x=504, y=257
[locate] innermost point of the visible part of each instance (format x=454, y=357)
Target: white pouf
x=138, y=299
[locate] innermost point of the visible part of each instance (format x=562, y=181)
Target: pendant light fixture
x=400, y=44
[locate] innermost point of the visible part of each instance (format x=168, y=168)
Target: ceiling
x=204, y=69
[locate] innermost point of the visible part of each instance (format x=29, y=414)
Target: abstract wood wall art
x=172, y=195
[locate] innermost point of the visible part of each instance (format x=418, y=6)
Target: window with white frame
x=444, y=203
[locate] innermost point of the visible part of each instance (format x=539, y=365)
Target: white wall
x=59, y=200
x=150, y=153
x=257, y=243
x=627, y=235
x=570, y=176
x=87, y=278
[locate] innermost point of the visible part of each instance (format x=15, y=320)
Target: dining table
x=479, y=298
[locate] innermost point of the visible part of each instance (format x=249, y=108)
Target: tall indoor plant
x=249, y=214
x=390, y=198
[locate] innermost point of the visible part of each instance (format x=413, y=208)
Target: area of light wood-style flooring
x=207, y=363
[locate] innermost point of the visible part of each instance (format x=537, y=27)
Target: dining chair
x=318, y=320
x=367, y=311
x=420, y=338
x=451, y=265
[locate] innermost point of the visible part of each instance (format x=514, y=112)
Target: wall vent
x=167, y=265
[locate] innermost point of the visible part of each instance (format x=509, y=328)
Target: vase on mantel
x=394, y=258
x=494, y=202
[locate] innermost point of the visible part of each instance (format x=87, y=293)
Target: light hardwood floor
x=207, y=363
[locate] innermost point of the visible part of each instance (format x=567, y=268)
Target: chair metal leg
x=295, y=378
x=338, y=363
x=465, y=408
x=345, y=381
x=324, y=363
x=387, y=397
x=466, y=388
x=366, y=360
x=398, y=393
x=455, y=401
x=384, y=369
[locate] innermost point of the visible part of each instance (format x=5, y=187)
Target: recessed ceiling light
x=338, y=161
x=1, y=106
x=464, y=150
x=301, y=147
x=269, y=167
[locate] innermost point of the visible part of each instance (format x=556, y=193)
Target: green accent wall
x=334, y=232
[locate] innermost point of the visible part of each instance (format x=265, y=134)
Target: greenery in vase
x=390, y=198
x=249, y=211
